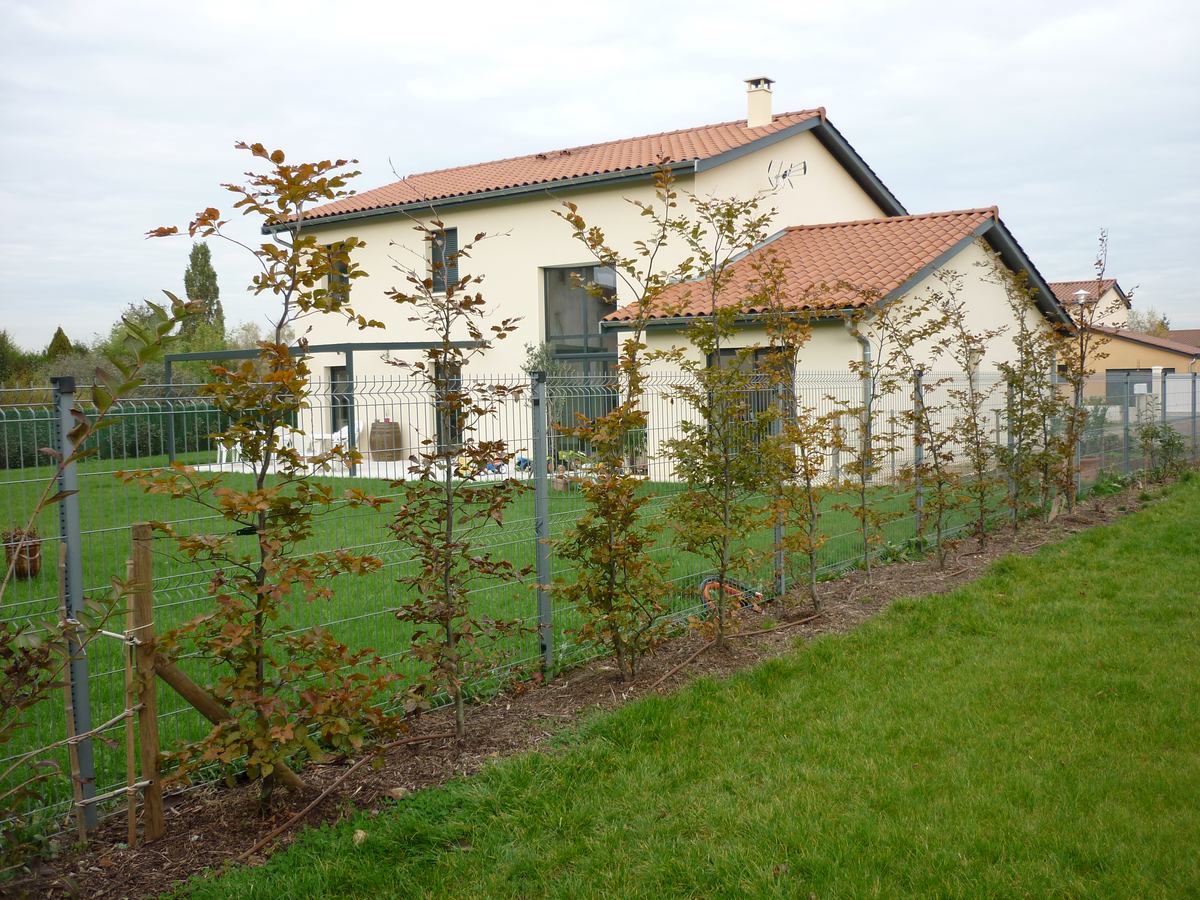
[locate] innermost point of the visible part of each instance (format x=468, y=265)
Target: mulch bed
x=209, y=827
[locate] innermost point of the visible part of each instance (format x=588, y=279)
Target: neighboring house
x=1135, y=365
x=1189, y=336
x=1113, y=302
x=1132, y=351
x=1133, y=362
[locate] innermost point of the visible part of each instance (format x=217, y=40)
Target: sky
x=117, y=117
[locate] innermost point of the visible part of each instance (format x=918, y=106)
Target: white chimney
x=758, y=101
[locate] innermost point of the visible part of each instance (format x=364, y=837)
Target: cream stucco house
x=836, y=220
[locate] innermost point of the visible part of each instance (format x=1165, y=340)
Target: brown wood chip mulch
x=209, y=827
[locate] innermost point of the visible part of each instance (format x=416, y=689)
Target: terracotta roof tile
x=560, y=165
x=1189, y=336
x=1065, y=290
x=835, y=266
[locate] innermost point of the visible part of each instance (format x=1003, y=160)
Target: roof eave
x=523, y=190
x=848, y=158
x=747, y=319
x=830, y=138
x=1002, y=241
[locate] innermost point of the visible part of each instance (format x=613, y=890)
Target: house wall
x=823, y=370
x=1127, y=354
x=1113, y=311
x=529, y=237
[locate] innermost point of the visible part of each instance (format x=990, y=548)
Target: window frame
x=340, y=397
x=596, y=345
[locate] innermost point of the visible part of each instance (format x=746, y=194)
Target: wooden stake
x=143, y=630
x=127, y=652
x=72, y=749
x=210, y=707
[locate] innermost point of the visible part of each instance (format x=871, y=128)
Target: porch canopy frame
x=347, y=349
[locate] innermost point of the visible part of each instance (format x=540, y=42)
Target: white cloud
x=119, y=116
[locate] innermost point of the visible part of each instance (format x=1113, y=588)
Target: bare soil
x=208, y=828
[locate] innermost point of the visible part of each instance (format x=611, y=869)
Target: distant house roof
x=847, y=265
x=692, y=149
x=1190, y=336
x=1065, y=291
x=1151, y=340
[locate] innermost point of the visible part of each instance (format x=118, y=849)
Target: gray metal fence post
x=918, y=451
x=1163, y=401
x=72, y=539
x=541, y=515
x=351, y=418
x=169, y=378
x=1125, y=427
x=1194, y=375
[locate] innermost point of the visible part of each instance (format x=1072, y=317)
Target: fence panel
x=390, y=419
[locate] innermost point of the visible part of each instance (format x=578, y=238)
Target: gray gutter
x=748, y=319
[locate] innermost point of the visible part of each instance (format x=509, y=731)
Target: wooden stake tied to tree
x=289, y=692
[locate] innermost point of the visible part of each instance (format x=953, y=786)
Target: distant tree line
x=64, y=355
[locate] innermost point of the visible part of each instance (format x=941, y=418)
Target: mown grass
x=361, y=610
x=1034, y=733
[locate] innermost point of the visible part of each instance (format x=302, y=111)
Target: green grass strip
x=1034, y=733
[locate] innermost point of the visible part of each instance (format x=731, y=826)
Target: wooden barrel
x=385, y=440
x=28, y=553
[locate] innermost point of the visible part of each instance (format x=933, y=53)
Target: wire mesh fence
x=389, y=420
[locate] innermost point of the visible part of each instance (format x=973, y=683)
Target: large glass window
x=577, y=299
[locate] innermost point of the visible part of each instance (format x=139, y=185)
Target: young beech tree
x=717, y=454
x=797, y=454
x=1080, y=348
x=913, y=342
x=887, y=330
x=618, y=589
x=289, y=690
x=452, y=495
x=1032, y=403
x=35, y=653
x=966, y=348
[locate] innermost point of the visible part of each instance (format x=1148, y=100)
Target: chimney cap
x=760, y=81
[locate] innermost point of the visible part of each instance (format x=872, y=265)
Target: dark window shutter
x=445, y=259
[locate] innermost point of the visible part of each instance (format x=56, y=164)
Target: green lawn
x=1035, y=733
x=360, y=613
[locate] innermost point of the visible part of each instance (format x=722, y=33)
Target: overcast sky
x=116, y=117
